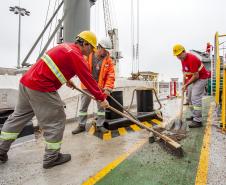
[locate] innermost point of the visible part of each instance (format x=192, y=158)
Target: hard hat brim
x=176, y=54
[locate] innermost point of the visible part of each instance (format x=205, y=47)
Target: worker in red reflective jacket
x=38, y=96
x=101, y=66
x=198, y=75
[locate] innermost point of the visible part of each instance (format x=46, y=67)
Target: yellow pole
x=217, y=59
x=223, y=117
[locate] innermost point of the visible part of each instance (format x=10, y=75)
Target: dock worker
x=102, y=68
x=209, y=48
x=191, y=65
x=38, y=96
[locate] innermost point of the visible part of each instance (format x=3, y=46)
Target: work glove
x=107, y=91
x=70, y=84
x=184, y=88
x=104, y=104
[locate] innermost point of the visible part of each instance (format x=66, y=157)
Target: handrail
x=218, y=79
x=223, y=112
x=217, y=68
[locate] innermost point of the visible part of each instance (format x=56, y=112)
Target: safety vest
x=53, y=67
x=189, y=73
x=107, y=75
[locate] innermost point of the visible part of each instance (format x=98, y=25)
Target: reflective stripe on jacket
x=107, y=73
x=189, y=73
x=53, y=67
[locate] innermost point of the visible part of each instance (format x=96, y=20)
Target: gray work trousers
x=197, y=92
x=48, y=108
x=83, y=111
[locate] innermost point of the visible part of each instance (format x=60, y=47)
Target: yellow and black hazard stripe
x=123, y=130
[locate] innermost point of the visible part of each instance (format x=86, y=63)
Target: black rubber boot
x=195, y=124
x=62, y=158
x=79, y=129
x=3, y=157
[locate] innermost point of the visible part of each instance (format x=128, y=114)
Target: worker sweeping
x=38, y=96
x=102, y=68
x=191, y=65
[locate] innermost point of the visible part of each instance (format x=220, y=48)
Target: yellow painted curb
x=122, y=131
x=107, y=136
x=135, y=127
x=94, y=179
x=156, y=121
x=202, y=172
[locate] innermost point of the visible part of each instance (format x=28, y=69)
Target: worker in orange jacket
x=102, y=68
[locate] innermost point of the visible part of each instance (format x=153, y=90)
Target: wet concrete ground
x=90, y=154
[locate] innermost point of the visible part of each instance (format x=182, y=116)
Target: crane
x=135, y=40
x=112, y=33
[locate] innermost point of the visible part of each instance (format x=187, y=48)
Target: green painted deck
x=152, y=165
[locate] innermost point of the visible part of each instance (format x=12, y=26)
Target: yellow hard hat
x=89, y=37
x=178, y=49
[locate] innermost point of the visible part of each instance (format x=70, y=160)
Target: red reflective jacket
x=70, y=61
x=192, y=64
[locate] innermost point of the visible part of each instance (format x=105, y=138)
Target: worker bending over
x=102, y=68
x=38, y=96
x=191, y=65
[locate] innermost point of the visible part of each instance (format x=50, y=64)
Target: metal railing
x=24, y=63
x=219, y=78
x=223, y=117
x=217, y=68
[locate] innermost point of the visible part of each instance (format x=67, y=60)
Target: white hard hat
x=105, y=43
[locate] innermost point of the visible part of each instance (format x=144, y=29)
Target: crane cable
x=47, y=13
x=132, y=36
x=50, y=28
x=115, y=20
x=135, y=39
x=56, y=23
x=138, y=36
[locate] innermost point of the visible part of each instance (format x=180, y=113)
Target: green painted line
x=154, y=166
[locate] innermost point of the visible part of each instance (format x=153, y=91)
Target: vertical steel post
x=18, y=56
x=217, y=63
x=77, y=20
x=223, y=113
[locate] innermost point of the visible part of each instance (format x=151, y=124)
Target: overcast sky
x=163, y=23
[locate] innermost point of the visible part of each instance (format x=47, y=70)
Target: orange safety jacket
x=106, y=78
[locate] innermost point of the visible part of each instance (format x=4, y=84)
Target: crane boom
x=112, y=33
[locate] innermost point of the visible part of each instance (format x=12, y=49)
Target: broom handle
x=165, y=138
x=181, y=106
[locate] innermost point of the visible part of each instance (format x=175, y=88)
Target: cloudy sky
x=163, y=23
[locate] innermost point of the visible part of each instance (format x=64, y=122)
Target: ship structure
x=148, y=139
